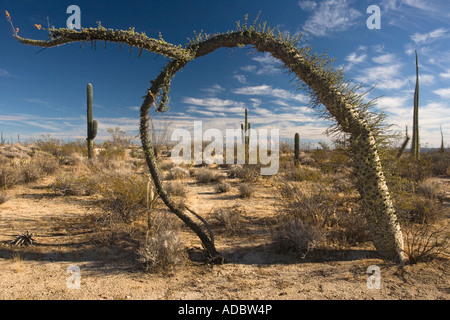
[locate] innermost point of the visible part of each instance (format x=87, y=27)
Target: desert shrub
x=424, y=242
x=229, y=219
x=9, y=176
x=222, y=187
x=47, y=164
x=177, y=173
x=429, y=188
x=318, y=209
x=246, y=190
x=205, y=175
x=330, y=161
x=413, y=208
x=175, y=188
x=414, y=170
x=3, y=197
x=440, y=163
x=303, y=173
x=69, y=185
x=30, y=171
x=292, y=235
x=111, y=153
x=247, y=173
x=162, y=250
x=50, y=145
x=124, y=196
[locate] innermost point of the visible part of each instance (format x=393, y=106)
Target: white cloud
x=386, y=77
x=240, y=78
x=445, y=75
x=210, y=102
x=353, y=58
x=384, y=59
x=5, y=73
x=444, y=93
x=437, y=34
x=307, y=5
x=266, y=90
x=249, y=68
x=214, y=89
x=332, y=16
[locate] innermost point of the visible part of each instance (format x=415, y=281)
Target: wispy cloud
x=5, y=73
x=268, y=65
x=438, y=34
x=267, y=90
x=443, y=93
x=329, y=16
x=387, y=77
x=384, y=59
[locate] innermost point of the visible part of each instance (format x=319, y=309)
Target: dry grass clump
x=3, y=197
x=246, y=190
x=223, y=187
x=177, y=173
x=292, y=235
x=205, y=175
x=429, y=188
x=417, y=209
x=228, y=219
x=176, y=188
x=247, y=173
x=69, y=185
x=316, y=215
x=25, y=170
x=162, y=250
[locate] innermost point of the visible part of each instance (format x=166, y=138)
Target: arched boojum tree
x=334, y=97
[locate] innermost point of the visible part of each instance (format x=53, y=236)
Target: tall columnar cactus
x=296, y=149
x=91, y=124
x=245, y=132
x=415, y=149
x=442, y=149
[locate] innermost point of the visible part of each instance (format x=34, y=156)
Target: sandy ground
x=253, y=270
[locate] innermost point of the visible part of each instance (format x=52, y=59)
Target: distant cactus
x=245, y=132
x=415, y=149
x=297, y=149
x=404, y=144
x=91, y=124
x=442, y=149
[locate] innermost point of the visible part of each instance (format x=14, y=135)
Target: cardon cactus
x=245, y=132
x=297, y=149
x=415, y=149
x=91, y=124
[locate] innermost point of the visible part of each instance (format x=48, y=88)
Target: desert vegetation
x=361, y=194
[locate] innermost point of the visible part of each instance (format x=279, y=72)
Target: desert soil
x=253, y=270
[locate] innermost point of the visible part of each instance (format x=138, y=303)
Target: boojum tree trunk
x=324, y=85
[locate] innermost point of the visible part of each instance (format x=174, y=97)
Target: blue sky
x=45, y=92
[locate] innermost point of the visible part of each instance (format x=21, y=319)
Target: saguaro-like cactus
x=297, y=149
x=91, y=124
x=245, y=132
x=415, y=149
